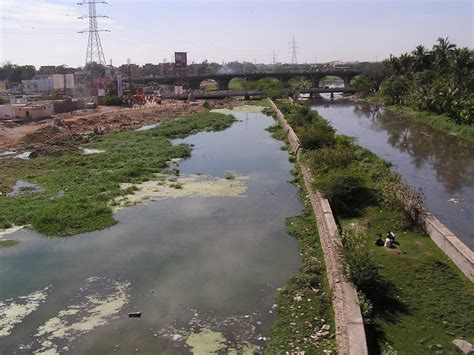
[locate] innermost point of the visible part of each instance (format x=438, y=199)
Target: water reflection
x=449, y=155
x=439, y=162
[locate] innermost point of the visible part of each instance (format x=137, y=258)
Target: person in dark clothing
x=378, y=240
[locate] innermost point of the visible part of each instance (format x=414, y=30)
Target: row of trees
x=439, y=80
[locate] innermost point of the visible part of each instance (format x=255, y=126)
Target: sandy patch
x=97, y=303
x=13, y=311
x=182, y=186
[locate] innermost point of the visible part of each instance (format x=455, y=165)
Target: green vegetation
x=91, y=182
x=304, y=304
x=210, y=86
x=8, y=243
x=419, y=298
x=439, y=121
x=440, y=81
x=413, y=298
x=112, y=100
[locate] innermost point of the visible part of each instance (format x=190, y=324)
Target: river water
x=440, y=163
x=204, y=271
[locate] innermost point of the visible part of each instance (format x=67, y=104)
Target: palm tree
x=406, y=61
x=421, y=58
x=462, y=66
x=442, y=52
x=394, y=64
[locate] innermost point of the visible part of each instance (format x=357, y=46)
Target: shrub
x=318, y=136
x=326, y=159
x=206, y=105
x=112, y=100
x=359, y=264
x=348, y=192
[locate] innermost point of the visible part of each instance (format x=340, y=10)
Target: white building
x=6, y=111
x=63, y=81
x=33, y=110
x=41, y=84
x=48, y=83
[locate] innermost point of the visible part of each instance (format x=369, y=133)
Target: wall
x=456, y=250
x=350, y=332
x=6, y=111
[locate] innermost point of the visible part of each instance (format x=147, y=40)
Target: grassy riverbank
x=78, y=188
x=441, y=122
x=414, y=299
x=303, y=305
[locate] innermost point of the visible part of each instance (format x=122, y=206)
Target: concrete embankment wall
x=350, y=332
x=456, y=250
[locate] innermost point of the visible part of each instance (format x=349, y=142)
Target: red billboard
x=180, y=60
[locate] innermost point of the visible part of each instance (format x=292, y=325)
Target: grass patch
x=305, y=317
x=8, y=243
x=91, y=182
x=431, y=299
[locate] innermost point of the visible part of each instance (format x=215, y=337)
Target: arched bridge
x=223, y=80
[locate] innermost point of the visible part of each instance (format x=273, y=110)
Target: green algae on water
x=206, y=342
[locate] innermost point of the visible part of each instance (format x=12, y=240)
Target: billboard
x=180, y=60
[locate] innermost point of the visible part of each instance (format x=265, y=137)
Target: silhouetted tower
x=95, y=53
x=294, y=50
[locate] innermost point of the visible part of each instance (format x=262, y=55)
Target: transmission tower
x=95, y=53
x=294, y=50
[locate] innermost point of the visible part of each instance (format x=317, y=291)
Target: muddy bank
x=54, y=136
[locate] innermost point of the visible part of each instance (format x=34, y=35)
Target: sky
x=45, y=32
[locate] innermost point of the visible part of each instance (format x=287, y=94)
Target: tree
x=406, y=61
x=421, y=58
x=442, y=52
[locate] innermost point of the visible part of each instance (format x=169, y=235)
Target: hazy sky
x=43, y=32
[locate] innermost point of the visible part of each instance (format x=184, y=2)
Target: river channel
x=439, y=163
x=203, y=271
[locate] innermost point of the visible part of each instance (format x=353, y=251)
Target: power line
x=95, y=52
x=294, y=50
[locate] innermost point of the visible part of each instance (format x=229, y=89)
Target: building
x=6, y=111
x=3, y=86
x=48, y=83
x=41, y=84
x=33, y=110
x=63, y=81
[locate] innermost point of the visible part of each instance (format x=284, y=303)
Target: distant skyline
x=44, y=32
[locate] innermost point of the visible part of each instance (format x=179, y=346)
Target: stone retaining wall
x=350, y=332
x=456, y=250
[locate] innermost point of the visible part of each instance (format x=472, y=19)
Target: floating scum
x=91, y=182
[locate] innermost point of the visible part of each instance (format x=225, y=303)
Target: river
x=203, y=271
x=439, y=163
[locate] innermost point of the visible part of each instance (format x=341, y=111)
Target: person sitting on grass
x=388, y=243
x=391, y=235
x=378, y=240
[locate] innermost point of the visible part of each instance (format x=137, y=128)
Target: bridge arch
x=330, y=80
x=208, y=85
x=300, y=82
x=237, y=83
